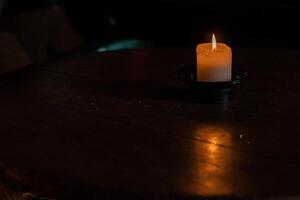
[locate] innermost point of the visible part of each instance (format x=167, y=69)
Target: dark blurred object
x=44, y=32
x=12, y=54
x=14, y=6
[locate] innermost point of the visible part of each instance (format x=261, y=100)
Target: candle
x=214, y=62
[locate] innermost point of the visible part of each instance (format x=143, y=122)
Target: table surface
x=120, y=124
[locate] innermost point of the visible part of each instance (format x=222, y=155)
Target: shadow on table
x=189, y=95
x=157, y=91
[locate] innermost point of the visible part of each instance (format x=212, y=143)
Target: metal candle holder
x=219, y=92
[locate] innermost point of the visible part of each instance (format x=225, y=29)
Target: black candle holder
x=209, y=92
x=188, y=75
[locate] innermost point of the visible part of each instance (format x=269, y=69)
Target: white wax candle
x=214, y=61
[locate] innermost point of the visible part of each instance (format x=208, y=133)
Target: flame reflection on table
x=211, y=165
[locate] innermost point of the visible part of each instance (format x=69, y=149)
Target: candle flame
x=214, y=42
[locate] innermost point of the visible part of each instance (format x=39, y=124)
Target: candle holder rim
x=187, y=74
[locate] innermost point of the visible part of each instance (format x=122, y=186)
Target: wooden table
x=119, y=124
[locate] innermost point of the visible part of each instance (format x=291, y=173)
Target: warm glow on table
x=214, y=62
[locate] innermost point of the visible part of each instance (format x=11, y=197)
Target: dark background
x=169, y=23
x=177, y=23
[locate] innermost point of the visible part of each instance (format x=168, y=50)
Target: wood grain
x=120, y=124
